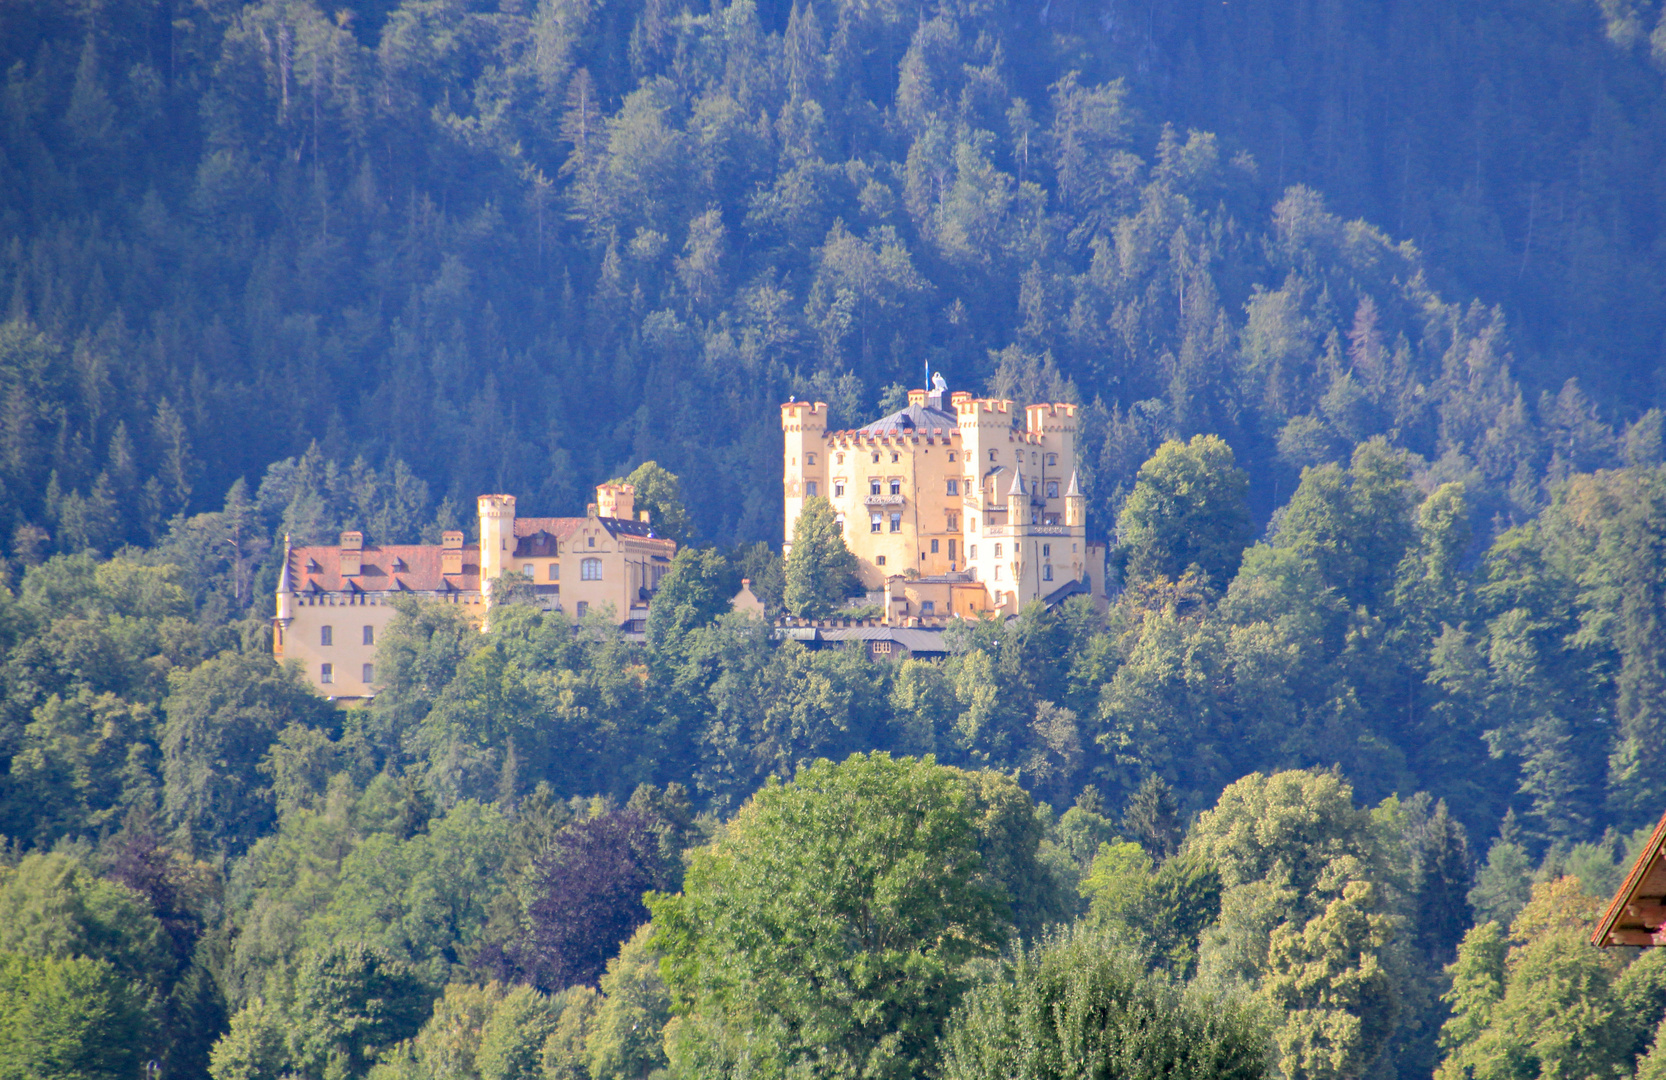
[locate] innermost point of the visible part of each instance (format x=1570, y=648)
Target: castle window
x=954, y=521
x=934, y=547
x=1052, y=489
x=896, y=523
x=928, y=607
x=326, y=673
x=879, y=561
x=992, y=455
x=1052, y=459
x=951, y=455
x=972, y=524
x=839, y=521
x=997, y=572
x=873, y=487
x=875, y=523
x=369, y=673
x=839, y=458
x=894, y=457
x=810, y=488
x=838, y=489
x=954, y=486
x=876, y=457
x=590, y=570
x=1047, y=572
x=951, y=550
x=882, y=648
x=809, y=459
x=583, y=608
x=972, y=552
x=1046, y=551
x=896, y=487
x=370, y=635
x=326, y=635
x=555, y=571
x=592, y=540
x=530, y=570
x=997, y=551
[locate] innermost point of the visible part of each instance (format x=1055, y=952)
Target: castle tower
x=1075, y=505
x=616, y=501
x=986, y=436
x=497, y=536
x=1050, y=431
x=804, y=461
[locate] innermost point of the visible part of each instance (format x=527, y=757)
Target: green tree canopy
x=1309, y=915
x=696, y=590
x=1077, y=1005
x=1188, y=508
x=659, y=491
x=223, y=716
x=72, y=1017
x=827, y=929
x=821, y=571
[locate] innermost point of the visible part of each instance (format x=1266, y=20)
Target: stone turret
x=1075, y=504
x=1018, y=503
x=286, y=588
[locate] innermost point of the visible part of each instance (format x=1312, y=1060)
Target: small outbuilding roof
x=1637, y=914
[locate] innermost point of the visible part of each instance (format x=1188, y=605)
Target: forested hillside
x=522, y=246
x=1362, y=302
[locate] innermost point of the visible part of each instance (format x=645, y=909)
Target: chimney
x=352, y=553
x=451, y=553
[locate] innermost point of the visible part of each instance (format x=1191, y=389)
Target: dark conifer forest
x=1364, y=306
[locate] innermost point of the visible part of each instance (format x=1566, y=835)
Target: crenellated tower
x=804, y=458
x=497, y=537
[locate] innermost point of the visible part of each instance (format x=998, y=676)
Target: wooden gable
x=1637, y=914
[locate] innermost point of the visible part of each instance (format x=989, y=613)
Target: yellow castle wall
x=969, y=524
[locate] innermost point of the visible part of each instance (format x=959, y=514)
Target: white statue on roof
x=938, y=384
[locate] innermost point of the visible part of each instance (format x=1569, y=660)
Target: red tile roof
x=377, y=571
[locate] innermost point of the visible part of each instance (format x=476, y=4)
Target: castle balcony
x=1028, y=530
x=882, y=500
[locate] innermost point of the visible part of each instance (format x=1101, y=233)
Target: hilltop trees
x=1187, y=510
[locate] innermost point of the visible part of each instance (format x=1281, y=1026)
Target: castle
x=334, y=602
x=964, y=510
x=968, y=510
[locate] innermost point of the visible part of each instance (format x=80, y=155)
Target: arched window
x=591, y=570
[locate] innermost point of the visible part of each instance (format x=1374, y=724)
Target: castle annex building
x=953, y=510
x=335, y=602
